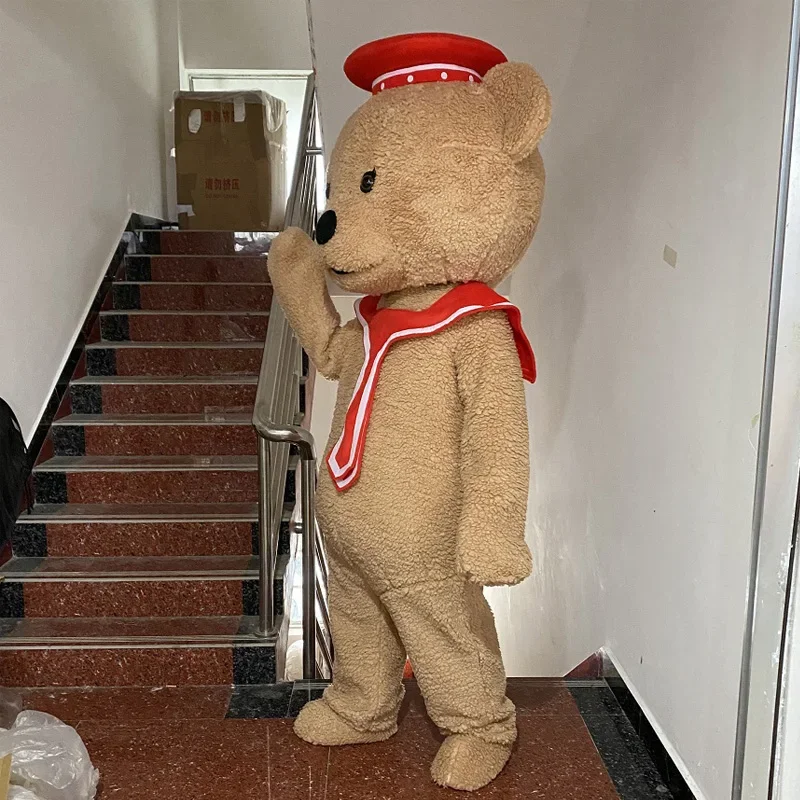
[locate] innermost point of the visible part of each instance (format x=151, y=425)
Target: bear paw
x=319, y=724
x=468, y=763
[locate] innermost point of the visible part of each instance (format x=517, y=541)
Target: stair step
x=192, y=269
x=202, y=651
x=205, y=243
x=119, y=394
x=215, y=433
x=184, y=326
x=174, y=358
x=179, y=586
x=213, y=529
x=148, y=479
x=192, y=296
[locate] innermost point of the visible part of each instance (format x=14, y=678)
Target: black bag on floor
x=14, y=470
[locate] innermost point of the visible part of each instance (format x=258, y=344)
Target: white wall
x=666, y=131
x=81, y=149
x=172, y=73
x=545, y=36
x=245, y=34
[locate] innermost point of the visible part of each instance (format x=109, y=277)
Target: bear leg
x=448, y=630
x=362, y=702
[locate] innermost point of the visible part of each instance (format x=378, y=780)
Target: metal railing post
x=275, y=410
x=309, y=477
x=266, y=564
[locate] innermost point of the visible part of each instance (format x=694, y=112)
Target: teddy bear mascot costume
x=436, y=185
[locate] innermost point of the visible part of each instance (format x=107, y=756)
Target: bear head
x=437, y=183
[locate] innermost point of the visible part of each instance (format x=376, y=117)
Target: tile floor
x=575, y=743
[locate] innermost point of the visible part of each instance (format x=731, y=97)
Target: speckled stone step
x=205, y=243
x=214, y=433
x=178, y=586
x=192, y=296
x=162, y=651
x=174, y=358
x=145, y=479
x=184, y=326
x=208, y=529
x=194, y=268
x=187, y=394
x=149, y=479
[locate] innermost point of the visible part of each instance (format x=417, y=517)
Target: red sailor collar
x=383, y=327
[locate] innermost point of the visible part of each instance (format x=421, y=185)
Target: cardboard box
x=230, y=160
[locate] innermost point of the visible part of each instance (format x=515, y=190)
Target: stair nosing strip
x=105, y=420
x=225, y=467
x=247, y=344
x=166, y=380
x=258, y=234
x=137, y=642
x=147, y=519
x=166, y=312
x=155, y=576
x=206, y=256
x=192, y=283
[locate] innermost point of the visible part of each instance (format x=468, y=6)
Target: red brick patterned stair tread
x=178, y=586
x=201, y=296
x=213, y=433
x=174, y=358
x=174, y=529
x=183, y=394
x=120, y=651
x=137, y=564
x=156, y=269
x=146, y=479
x=184, y=326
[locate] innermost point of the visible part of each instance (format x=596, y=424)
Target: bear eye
x=368, y=181
x=328, y=191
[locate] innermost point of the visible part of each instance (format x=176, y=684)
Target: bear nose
x=326, y=227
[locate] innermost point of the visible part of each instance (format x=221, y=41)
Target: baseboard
x=672, y=767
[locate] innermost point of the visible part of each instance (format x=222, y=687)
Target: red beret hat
x=420, y=58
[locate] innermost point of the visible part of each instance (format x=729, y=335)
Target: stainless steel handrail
x=274, y=414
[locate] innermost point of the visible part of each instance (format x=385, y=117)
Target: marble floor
x=575, y=743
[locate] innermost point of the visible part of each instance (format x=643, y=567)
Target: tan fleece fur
x=439, y=509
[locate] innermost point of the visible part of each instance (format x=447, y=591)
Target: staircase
x=137, y=565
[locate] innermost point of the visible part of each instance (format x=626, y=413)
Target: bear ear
x=524, y=103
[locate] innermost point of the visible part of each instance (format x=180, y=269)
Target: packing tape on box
x=186, y=209
x=238, y=108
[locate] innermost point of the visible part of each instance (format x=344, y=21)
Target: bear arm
x=298, y=273
x=491, y=548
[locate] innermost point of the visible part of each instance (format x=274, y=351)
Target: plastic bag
x=18, y=793
x=49, y=759
x=10, y=706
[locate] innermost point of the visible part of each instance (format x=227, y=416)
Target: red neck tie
x=384, y=327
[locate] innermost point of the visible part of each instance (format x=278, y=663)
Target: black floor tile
x=253, y=666
x=304, y=692
x=260, y=702
x=670, y=774
x=29, y=540
x=625, y=757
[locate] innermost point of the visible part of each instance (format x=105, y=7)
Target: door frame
x=280, y=74
x=776, y=492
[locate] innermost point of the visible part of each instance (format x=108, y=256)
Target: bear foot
x=468, y=763
x=319, y=724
